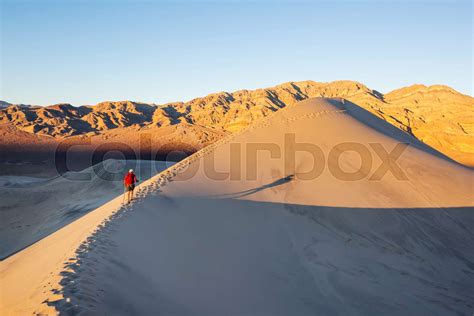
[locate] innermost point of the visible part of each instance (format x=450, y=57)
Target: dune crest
x=349, y=146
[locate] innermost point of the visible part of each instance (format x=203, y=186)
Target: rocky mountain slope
x=437, y=115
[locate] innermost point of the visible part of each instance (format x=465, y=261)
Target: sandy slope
x=433, y=180
x=53, y=203
x=188, y=256
x=275, y=245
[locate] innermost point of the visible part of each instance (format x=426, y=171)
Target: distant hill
x=437, y=115
x=4, y=104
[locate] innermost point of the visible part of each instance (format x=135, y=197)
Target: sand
x=55, y=202
x=199, y=256
x=276, y=244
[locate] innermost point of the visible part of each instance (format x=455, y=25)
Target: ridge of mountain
x=437, y=115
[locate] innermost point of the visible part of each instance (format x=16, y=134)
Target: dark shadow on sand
x=382, y=126
x=255, y=190
x=414, y=234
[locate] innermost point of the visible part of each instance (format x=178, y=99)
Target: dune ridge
x=34, y=277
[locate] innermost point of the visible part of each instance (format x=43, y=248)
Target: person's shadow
x=257, y=189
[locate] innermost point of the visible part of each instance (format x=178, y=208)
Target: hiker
x=129, y=184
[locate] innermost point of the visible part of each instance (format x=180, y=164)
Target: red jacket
x=130, y=178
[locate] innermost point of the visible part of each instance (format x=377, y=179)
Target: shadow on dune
x=198, y=256
x=257, y=189
x=369, y=119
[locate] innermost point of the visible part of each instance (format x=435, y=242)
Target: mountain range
x=437, y=115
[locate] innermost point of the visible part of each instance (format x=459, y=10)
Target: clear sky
x=84, y=52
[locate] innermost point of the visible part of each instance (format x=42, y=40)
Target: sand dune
x=432, y=179
x=54, y=203
x=268, y=238
x=189, y=256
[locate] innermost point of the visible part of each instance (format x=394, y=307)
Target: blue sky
x=84, y=52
